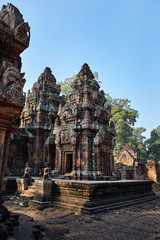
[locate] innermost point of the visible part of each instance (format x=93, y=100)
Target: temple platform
x=97, y=196
x=87, y=197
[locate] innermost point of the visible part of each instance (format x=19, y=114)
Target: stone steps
x=29, y=192
x=23, y=200
x=26, y=196
x=32, y=187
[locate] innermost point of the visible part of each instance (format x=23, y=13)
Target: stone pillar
x=99, y=167
x=74, y=158
x=2, y=143
x=43, y=194
x=3, y=153
x=58, y=159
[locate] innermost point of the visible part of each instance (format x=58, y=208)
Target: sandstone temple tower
x=37, y=120
x=84, y=135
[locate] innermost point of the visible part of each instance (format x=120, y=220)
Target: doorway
x=129, y=174
x=69, y=162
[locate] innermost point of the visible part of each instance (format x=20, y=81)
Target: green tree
x=153, y=144
x=66, y=84
x=137, y=142
x=124, y=118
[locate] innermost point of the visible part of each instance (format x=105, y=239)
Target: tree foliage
x=153, y=145
x=124, y=118
x=137, y=142
x=66, y=84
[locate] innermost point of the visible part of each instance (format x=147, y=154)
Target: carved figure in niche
x=73, y=139
x=58, y=139
x=12, y=81
x=94, y=96
x=46, y=172
x=87, y=117
x=40, y=173
x=57, y=122
x=98, y=137
x=27, y=171
x=103, y=96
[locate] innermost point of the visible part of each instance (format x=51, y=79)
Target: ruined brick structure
x=84, y=136
x=127, y=156
x=14, y=39
x=37, y=121
x=129, y=167
x=152, y=170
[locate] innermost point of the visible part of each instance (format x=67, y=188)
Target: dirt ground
x=141, y=222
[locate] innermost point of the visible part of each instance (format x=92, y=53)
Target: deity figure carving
x=46, y=172
x=74, y=139
x=12, y=83
x=27, y=171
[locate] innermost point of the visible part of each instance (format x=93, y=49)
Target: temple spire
x=85, y=72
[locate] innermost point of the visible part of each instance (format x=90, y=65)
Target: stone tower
x=37, y=120
x=84, y=136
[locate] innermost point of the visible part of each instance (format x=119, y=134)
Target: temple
x=73, y=135
x=37, y=120
x=62, y=153
x=84, y=135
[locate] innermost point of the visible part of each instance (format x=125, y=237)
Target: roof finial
x=85, y=72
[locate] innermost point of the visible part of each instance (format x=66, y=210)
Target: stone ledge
x=40, y=205
x=93, y=197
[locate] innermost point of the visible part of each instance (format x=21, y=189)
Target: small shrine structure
x=84, y=135
x=37, y=121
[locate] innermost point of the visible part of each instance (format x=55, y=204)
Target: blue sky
x=120, y=39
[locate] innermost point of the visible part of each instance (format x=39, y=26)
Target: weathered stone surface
x=14, y=32
x=97, y=196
